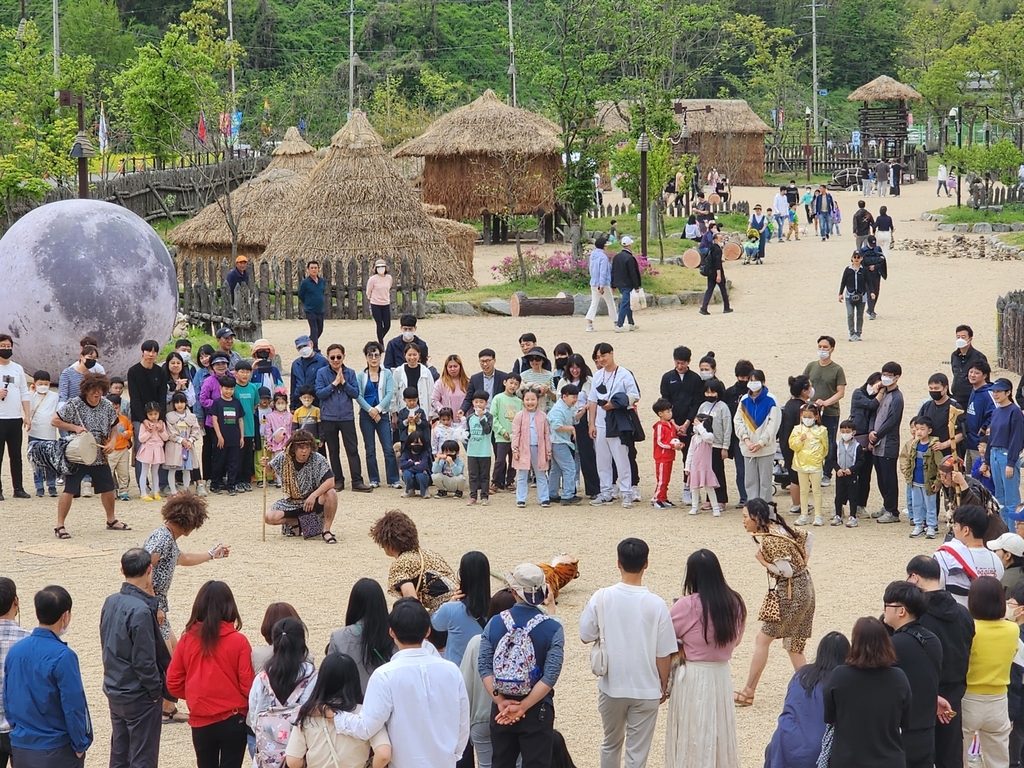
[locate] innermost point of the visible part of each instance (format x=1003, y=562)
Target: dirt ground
x=781, y=307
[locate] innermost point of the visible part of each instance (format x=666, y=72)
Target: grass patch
x=198, y=338
x=1014, y=238
x=670, y=279
x=1011, y=213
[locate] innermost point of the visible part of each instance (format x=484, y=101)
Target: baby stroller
x=780, y=475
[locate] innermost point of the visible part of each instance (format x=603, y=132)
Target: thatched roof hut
x=293, y=153
x=358, y=205
x=258, y=206
x=729, y=137
x=474, y=154
x=884, y=88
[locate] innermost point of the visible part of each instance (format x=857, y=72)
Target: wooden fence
x=273, y=294
x=792, y=158
x=1010, y=331
x=675, y=211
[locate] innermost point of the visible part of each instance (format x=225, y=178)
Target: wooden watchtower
x=885, y=123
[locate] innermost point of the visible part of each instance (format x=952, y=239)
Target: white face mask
x=381, y=270
x=888, y=381
x=1011, y=613
x=754, y=386
x=408, y=335
x=306, y=352
x=807, y=422
x=706, y=375
x=961, y=343
x=811, y=394
x=823, y=354
x=846, y=436
x=42, y=389
x=185, y=356
x=282, y=406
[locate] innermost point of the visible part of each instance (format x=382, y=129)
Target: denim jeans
x=780, y=224
x=625, y=308
x=416, y=481
x=43, y=475
x=523, y=480
x=825, y=224
x=924, y=511
x=563, y=471
x=855, y=315
x=1007, y=489
x=382, y=430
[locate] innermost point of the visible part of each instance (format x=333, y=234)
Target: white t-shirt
x=12, y=378
x=43, y=408
x=982, y=560
x=310, y=742
x=637, y=632
x=619, y=380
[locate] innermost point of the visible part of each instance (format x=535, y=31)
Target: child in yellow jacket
x=809, y=441
x=920, y=467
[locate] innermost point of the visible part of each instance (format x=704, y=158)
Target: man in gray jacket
x=884, y=441
x=135, y=662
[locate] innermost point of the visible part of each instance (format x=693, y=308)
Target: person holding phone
x=14, y=413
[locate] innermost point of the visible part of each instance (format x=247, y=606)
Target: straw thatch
x=435, y=210
x=358, y=205
x=461, y=238
x=293, y=153
x=257, y=206
x=475, y=153
x=884, y=88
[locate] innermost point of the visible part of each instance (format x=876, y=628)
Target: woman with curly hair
x=451, y=388
x=308, y=484
x=416, y=572
x=182, y=514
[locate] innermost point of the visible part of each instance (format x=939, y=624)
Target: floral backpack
x=274, y=726
x=515, y=659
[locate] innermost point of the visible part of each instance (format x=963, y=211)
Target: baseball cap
x=1004, y=385
x=302, y=341
x=242, y=260
x=627, y=241
x=1018, y=515
x=264, y=392
x=223, y=333
x=528, y=581
x=219, y=357
x=1009, y=542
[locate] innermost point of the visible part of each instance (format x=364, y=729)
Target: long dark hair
x=337, y=688
x=285, y=664
x=214, y=604
x=475, y=583
x=366, y=603
x=578, y=361
x=723, y=607
x=832, y=652
x=764, y=513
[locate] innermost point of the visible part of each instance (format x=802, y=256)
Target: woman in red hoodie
x=212, y=670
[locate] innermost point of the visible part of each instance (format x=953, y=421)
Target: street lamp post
x=82, y=149
x=807, y=140
x=643, y=146
x=956, y=113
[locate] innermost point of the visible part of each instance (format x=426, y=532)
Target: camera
x=7, y=380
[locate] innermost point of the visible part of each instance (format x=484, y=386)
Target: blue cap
x=302, y=341
x=1018, y=516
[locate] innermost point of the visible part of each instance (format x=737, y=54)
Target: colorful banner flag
x=201, y=131
x=230, y=124
x=302, y=126
x=265, y=123
x=103, y=131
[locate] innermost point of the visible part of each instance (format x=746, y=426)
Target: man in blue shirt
x=823, y=211
x=240, y=274
x=304, y=369
x=979, y=409
x=338, y=390
x=311, y=294
x=1004, y=445
x=44, y=701
x=600, y=282
x=524, y=724
x=11, y=632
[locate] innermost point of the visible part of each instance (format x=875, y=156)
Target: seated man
x=308, y=485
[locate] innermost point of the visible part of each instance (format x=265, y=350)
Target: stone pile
x=963, y=246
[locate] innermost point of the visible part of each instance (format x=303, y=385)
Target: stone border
x=981, y=228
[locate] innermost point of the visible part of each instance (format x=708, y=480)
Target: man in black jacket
x=919, y=655
x=685, y=390
x=963, y=357
x=625, y=277
x=489, y=380
x=135, y=661
x=952, y=624
x=863, y=222
x=715, y=273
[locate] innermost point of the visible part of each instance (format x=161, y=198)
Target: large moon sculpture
x=84, y=267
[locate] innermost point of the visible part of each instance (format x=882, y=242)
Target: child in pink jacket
x=531, y=448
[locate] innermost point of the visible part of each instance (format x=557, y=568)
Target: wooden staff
x=264, y=516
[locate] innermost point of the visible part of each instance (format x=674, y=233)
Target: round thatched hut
x=293, y=153
x=461, y=238
x=481, y=156
x=358, y=205
x=256, y=206
x=883, y=127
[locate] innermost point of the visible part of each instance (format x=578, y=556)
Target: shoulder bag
x=598, y=651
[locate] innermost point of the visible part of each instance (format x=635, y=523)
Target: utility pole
x=231, y=53
x=814, y=60
x=511, y=55
x=56, y=39
x=351, y=56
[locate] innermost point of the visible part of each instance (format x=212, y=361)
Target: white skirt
x=701, y=730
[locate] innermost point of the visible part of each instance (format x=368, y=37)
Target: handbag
x=431, y=584
x=311, y=524
x=771, y=608
x=82, y=449
x=826, y=747
x=598, y=652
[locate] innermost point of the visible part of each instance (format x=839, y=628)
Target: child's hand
x=220, y=441
x=241, y=442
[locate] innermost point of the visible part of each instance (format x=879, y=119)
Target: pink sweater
x=378, y=290
x=442, y=397
x=688, y=623
x=521, y=440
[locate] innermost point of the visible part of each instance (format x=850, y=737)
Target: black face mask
x=90, y=363
x=936, y=396
x=416, y=448
x=5, y=354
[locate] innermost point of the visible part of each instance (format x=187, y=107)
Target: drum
x=731, y=251
x=691, y=258
x=715, y=198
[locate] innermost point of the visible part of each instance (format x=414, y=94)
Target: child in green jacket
x=504, y=408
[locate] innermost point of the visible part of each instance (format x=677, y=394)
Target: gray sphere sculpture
x=84, y=267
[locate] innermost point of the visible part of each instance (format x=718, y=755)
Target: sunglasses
x=372, y=354
x=336, y=357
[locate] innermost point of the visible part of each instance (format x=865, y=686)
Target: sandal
x=117, y=525
x=742, y=700
x=170, y=717
x=329, y=538
x=61, y=532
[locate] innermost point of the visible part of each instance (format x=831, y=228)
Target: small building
x=883, y=127
x=293, y=153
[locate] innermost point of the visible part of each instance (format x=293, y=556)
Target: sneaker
x=861, y=511
x=122, y=497
x=837, y=520
x=520, y=504
x=40, y=493
x=233, y=491
x=740, y=504
x=853, y=337
x=716, y=512
x=441, y=494
x=458, y=494
x=857, y=338
x=627, y=502
x=591, y=328
x=794, y=510
x=246, y=487
x=802, y=520
x=687, y=497
x=918, y=531
x=288, y=530
x=600, y=501
x=694, y=511
x=826, y=481
x=484, y=502
x=852, y=522
x=635, y=492
x=888, y=518
x=157, y=497
x=375, y=483
x=546, y=503
x=929, y=533
x=621, y=329
x=53, y=492
x=634, y=327
x=471, y=502
x=406, y=494
x=818, y=521
x=147, y=497
x=200, y=488
x=572, y=501
x=877, y=514
x=259, y=483
x=657, y=505
x=906, y=513
x=667, y=505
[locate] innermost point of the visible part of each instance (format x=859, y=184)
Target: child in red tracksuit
x=666, y=444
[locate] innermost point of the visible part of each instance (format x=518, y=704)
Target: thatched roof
x=293, y=153
x=461, y=238
x=358, y=205
x=487, y=126
x=884, y=88
x=258, y=205
x=727, y=116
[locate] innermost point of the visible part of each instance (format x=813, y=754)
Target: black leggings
x=221, y=745
x=382, y=317
x=11, y=431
